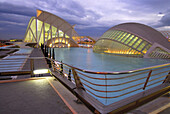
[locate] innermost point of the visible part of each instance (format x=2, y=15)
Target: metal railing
x=13, y=66
x=109, y=87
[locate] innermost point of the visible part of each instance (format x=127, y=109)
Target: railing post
x=53, y=54
x=49, y=61
x=69, y=75
x=61, y=71
x=167, y=79
x=32, y=67
x=149, y=75
x=77, y=80
x=52, y=61
x=106, y=87
x=52, y=64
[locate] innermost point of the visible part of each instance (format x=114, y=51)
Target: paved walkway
x=30, y=97
x=38, y=63
x=160, y=105
x=38, y=95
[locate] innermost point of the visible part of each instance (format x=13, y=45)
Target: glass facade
x=121, y=43
x=40, y=32
x=159, y=53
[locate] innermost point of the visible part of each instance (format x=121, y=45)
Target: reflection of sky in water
x=24, y=51
x=14, y=62
x=86, y=59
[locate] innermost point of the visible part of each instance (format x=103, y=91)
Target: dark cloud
x=16, y=9
x=94, y=32
x=165, y=20
x=149, y=5
x=14, y=20
x=61, y=6
x=90, y=19
x=9, y=31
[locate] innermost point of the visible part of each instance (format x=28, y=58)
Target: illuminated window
x=129, y=39
x=113, y=34
x=125, y=38
x=146, y=48
x=142, y=46
x=61, y=34
x=116, y=35
x=122, y=37
x=137, y=43
x=132, y=41
x=119, y=36
x=54, y=30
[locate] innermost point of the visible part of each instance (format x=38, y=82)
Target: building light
x=68, y=45
x=41, y=71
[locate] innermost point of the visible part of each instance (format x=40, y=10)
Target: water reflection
x=85, y=58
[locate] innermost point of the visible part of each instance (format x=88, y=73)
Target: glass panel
x=125, y=37
x=41, y=37
x=39, y=27
x=129, y=39
x=142, y=46
x=132, y=41
x=109, y=34
x=159, y=53
x=33, y=27
x=146, y=48
x=122, y=37
x=118, y=32
x=119, y=36
x=114, y=32
x=67, y=36
x=47, y=31
x=61, y=34
x=54, y=30
x=137, y=43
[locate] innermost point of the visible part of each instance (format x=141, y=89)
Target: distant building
x=16, y=40
x=166, y=34
x=133, y=39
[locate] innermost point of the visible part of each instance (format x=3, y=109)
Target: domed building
x=133, y=39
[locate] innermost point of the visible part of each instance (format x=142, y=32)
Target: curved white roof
x=147, y=33
x=56, y=22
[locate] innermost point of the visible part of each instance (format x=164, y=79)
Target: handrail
x=110, y=73
x=127, y=82
x=95, y=72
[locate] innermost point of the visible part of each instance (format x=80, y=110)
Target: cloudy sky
x=92, y=17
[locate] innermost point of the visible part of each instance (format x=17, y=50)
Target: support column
x=58, y=35
x=37, y=34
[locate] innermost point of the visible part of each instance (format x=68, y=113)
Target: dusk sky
x=92, y=17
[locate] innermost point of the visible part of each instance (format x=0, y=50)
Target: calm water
x=86, y=59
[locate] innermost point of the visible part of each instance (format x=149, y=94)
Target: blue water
x=14, y=61
x=86, y=59
x=24, y=51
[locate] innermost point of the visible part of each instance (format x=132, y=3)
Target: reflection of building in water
x=133, y=39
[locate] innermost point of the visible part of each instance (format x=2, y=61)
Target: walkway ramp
x=38, y=95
